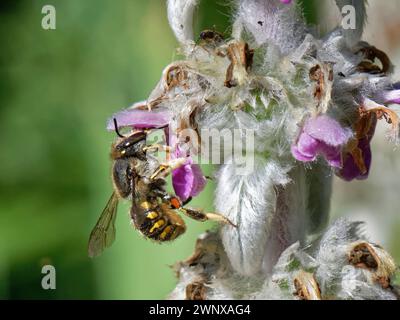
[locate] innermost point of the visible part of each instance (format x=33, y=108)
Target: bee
x=139, y=176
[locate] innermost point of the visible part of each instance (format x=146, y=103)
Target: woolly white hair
x=268, y=21
x=180, y=17
x=318, y=270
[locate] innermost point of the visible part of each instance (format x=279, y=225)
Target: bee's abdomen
x=155, y=223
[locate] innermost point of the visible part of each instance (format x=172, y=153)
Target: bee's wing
x=103, y=234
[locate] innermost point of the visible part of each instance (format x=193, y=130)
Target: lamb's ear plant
x=311, y=105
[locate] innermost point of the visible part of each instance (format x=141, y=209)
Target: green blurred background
x=57, y=89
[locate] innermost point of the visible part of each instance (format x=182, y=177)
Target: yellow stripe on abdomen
x=152, y=215
x=157, y=225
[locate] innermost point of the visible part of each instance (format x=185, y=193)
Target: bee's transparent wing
x=103, y=234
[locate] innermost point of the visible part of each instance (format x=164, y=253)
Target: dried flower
x=306, y=286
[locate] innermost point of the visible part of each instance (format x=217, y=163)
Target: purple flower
x=324, y=136
x=356, y=165
x=393, y=96
x=286, y=1
x=187, y=180
x=357, y=158
x=140, y=118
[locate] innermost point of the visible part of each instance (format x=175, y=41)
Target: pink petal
x=392, y=96
x=188, y=180
x=321, y=136
x=301, y=157
x=332, y=155
x=307, y=146
x=140, y=119
x=182, y=181
x=199, y=181
x=327, y=130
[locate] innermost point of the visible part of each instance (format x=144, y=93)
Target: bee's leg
x=184, y=203
x=157, y=147
x=199, y=215
x=165, y=169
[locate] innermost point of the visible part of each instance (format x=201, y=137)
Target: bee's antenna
x=116, y=129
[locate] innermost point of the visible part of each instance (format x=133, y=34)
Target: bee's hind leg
x=199, y=215
x=184, y=203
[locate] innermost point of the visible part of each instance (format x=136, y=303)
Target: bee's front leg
x=157, y=147
x=166, y=168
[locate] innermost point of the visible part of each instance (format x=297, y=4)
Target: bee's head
x=128, y=146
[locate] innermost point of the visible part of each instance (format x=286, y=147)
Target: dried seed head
x=322, y=75
x=306, y=286
x=370, y=54
x=373, y=258
x=241, y=58
x=196, y=291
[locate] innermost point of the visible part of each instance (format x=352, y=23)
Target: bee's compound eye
x=175, y=203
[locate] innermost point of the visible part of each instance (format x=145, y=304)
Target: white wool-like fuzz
x=271, y=20
x=180, y=17
x=186, y=276
x=341, y=265
x=292, y=261
x=249, y=201
x=352, y=36
x=335, y=50
x=332, y=252
x=356, y=285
